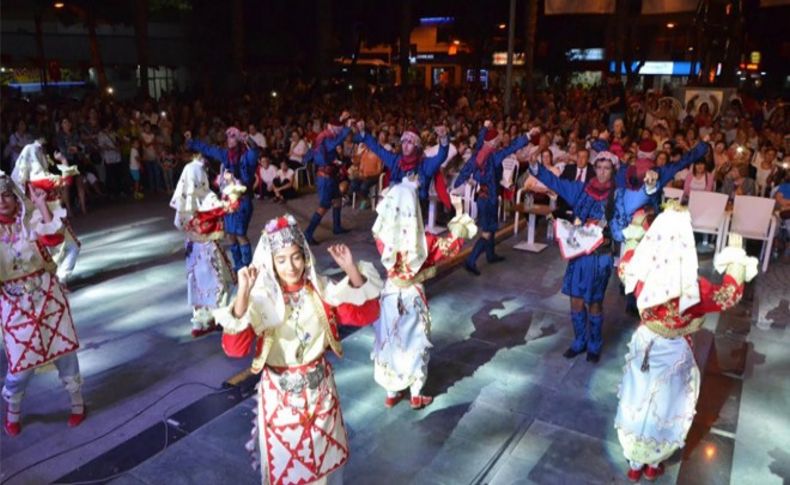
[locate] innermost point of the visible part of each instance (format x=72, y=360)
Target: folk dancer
x=661, y=384
x=199, y=215
x=34, y=311
x=409, y=254
x=323, y=154
x=587, y=275
x=239, y=160
x=485, y=167
x=291, y=314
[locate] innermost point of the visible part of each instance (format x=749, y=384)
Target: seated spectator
x=765, y=169
x=264, y=178
x=367, y=172
x=282, y=185
x=736, y=182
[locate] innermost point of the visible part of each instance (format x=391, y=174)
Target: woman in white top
x=297, y=151
x=699, y=178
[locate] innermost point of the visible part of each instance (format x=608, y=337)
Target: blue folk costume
x=485, y=166
x=400, y=166
x=587, y=276
x=323, y=155
x=241, y=162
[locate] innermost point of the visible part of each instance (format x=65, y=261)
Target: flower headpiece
x=283, y=232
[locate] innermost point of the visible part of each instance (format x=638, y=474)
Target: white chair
x=533, y=211
x=433, y=200
x=470, y=207
x=753, y=218
x=708, y=214
x=671, y=193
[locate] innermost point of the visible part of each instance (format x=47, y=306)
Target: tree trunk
x=141, y=37
x=405, y=41
x=96, y=60
x=42, y=60
x=529, y=44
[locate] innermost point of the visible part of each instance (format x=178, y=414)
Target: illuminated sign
x=500, y=59
x=436, y=20
x=666, y=68
x=595, y=54
x=755, y=57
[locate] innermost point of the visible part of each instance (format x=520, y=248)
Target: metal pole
x=511, y=32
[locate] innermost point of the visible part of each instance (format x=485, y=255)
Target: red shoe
x=419, y=402
x=392, y=401
x=651, y=474
x=634, y=475
x=76, y=419
x=12, y=429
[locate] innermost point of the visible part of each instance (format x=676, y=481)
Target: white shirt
x=259, y=139
x=267, y=175
x=109, y=148
x=298, y=151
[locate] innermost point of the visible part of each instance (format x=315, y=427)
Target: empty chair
x=708, y=214
x=753, y=218
x=671, y=193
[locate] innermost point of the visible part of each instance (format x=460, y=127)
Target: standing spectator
x=109, y=148
x=16, y=142
x=283, y=184
x=150, y=157
x=135, y=166
x=68, y=143
x=764, y=170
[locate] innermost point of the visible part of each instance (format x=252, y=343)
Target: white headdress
x=30, y=164
x=267, y=294
x=399, y=227
x=665, y=261
x=191, y=190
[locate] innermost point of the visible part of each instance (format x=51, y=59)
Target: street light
x=502, y=26
x=670, y=25
x=457, y=42
x=59, y=5
x=110, y=90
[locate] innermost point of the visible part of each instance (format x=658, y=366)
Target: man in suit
x=580, y=172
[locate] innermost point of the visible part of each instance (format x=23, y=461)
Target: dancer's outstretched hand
x=247, y=277
x=651, y=177
x=187, y=135
x=361, y=126
x=342, y=256
x=488, y=124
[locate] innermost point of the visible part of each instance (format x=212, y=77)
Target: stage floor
x=508, y=407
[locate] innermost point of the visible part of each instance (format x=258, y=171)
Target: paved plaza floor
x=508, y=407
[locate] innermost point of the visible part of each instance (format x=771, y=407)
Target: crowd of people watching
x=131, y=148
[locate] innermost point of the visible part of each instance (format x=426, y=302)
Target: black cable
x=115, y=428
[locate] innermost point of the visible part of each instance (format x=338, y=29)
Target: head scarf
x=267, y=293
x=400, y=229
x=31, y=164
x=191, y=190
x=665, y=263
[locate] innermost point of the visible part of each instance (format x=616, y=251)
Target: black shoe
x=496, y=259
x=472, y=269
x=340, y=231
x=570, y=353
x=594, y=358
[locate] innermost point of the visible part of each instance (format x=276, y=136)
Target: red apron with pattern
x=302, y=435
x=36, y=320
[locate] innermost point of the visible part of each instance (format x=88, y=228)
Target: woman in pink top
x=698, y=179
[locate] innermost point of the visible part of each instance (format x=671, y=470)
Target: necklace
x=295, y=300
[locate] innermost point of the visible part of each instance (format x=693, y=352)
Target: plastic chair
x=708, y=214
x=510, y=171
x=530, y=244
x=753, y=218
x=671, y=193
